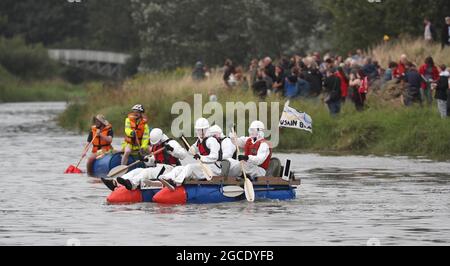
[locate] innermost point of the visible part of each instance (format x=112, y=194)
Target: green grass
x=13, y=89
x=383, y=129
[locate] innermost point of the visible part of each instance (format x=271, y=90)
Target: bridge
x=100, y=62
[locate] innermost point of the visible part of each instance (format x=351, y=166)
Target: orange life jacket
x=251, y=149
x=99, y=143
x=164, y=157
x=138, y=128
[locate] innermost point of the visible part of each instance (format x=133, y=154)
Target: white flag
x=292, y=118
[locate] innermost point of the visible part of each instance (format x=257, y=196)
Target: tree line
x=164, y=34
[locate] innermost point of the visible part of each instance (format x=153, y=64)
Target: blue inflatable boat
x=207, y=192
x=220, y=189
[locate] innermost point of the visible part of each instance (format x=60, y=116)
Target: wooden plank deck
x=234, y=181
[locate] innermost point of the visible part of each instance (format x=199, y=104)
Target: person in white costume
x=168, y=159
x=227, y=147
x=257, y=153
x=206, y=150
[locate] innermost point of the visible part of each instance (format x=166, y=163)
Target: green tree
x=110, y=26
x=175, y=33
x=46, y=22
x=360, y=24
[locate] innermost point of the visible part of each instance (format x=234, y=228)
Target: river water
x=343, y=200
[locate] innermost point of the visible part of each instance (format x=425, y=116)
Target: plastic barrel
x=101, y=167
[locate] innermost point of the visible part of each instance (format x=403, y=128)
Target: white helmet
x=215, y=131
x=202, y=123
x=256, y=129
x=258, y=125
x=156, y=136
x=138, y=108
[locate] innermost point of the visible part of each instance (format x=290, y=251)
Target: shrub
x=26, y=61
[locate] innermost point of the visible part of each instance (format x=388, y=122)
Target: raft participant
x=206, y=150
x=136, y=133
x=172, y=153
x=257, y=153
x=101, y=136
x=227, y=148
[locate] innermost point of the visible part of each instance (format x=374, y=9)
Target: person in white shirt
x=257, y=153
x=429, y=31
x=206, y=150
x=167, y=159
x=227, y=147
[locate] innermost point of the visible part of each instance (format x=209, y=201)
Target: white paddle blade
x=232, y=191
x=118, y=171
x=249, y=191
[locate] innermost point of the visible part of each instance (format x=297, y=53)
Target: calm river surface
x=342, y=201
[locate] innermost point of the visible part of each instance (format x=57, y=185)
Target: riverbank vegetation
x=28, y=74
x=384, y=128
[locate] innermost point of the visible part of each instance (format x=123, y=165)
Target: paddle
x=123, y=169
x=205, y=169
x=248, y=185
x=232, y=191
x=163, y=181
x=235, y=191
x=74, y=169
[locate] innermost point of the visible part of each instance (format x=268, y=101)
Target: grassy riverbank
x=385, y=128
x=13, y=89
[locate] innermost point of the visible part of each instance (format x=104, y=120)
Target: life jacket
x=164, y=157
x=98, y=143
x=138, y=128
x=221, y=151
x=202, y=148
x=251, y=149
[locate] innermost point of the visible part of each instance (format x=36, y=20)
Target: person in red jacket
x=344, y=83
x=400, y=71
x=430, y=75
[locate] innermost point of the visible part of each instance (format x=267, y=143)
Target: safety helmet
x=138, y=108
x=201, y=128
x=215, y=131
x=256, y=129
x=202, y=123
x=156, y=136
x=258, y=125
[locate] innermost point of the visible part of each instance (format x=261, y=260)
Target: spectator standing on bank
x=413, y=81
x=430, y=75
x=446, y=33
x=429, y=33
x=332, y=86
x=442, y=89
x=344, y=83
x=359, y=84
x=229, y=72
